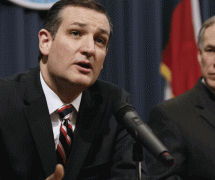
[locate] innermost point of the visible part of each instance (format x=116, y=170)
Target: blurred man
x=186, y=124
x=56, y=119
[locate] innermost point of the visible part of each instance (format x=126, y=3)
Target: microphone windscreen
x=120, y=108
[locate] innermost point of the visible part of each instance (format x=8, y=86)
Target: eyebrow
x=103, y=31
x=210, y=46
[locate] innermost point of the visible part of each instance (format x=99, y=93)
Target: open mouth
x=87, y=66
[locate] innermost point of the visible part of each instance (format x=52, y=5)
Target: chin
x=85, y=82
x=211, y=84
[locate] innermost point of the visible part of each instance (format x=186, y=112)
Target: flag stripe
x=179, y=59
x=196, y=17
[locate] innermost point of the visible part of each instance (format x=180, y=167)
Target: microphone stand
x=138, y=158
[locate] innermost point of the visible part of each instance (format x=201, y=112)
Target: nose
x=88, y=46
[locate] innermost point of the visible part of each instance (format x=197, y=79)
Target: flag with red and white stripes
x=179, y=64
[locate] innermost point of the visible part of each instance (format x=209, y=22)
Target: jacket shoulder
x=110, y=91
x=177, y=106
x=16, y=84
x=108, y=87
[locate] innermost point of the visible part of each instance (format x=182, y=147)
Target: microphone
x=126, y=115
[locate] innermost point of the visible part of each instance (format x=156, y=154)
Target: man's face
x=77, y=53
x=206, y=58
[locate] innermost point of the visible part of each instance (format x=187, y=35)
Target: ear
x=199, y=56
x=45, y=41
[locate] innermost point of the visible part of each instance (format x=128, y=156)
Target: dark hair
x=53, y=19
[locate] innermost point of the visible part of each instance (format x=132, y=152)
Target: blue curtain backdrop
x=140, y=30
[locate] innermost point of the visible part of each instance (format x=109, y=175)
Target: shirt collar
x=203, y=81
x=53, y=101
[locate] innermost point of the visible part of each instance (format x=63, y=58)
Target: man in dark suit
x=186, y=124
x=73, y=46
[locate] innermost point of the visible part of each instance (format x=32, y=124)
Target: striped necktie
x=66, y=134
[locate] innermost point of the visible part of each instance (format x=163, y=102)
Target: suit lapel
x=39, y=121
x=89, y=117
x=208, y=116
x=88, y=122
x=205, y=103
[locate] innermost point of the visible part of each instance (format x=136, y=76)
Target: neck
x=64, y=89
x=66, y=92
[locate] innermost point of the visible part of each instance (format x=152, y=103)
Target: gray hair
x=209, y=22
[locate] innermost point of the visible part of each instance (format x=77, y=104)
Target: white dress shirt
x=54, y=103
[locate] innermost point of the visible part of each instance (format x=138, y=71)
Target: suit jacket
x=102, y=149
x=186, y=126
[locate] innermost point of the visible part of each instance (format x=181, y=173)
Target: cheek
x=63, y=47
x=205, y=63
x=62, y=51
x=99, y=64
